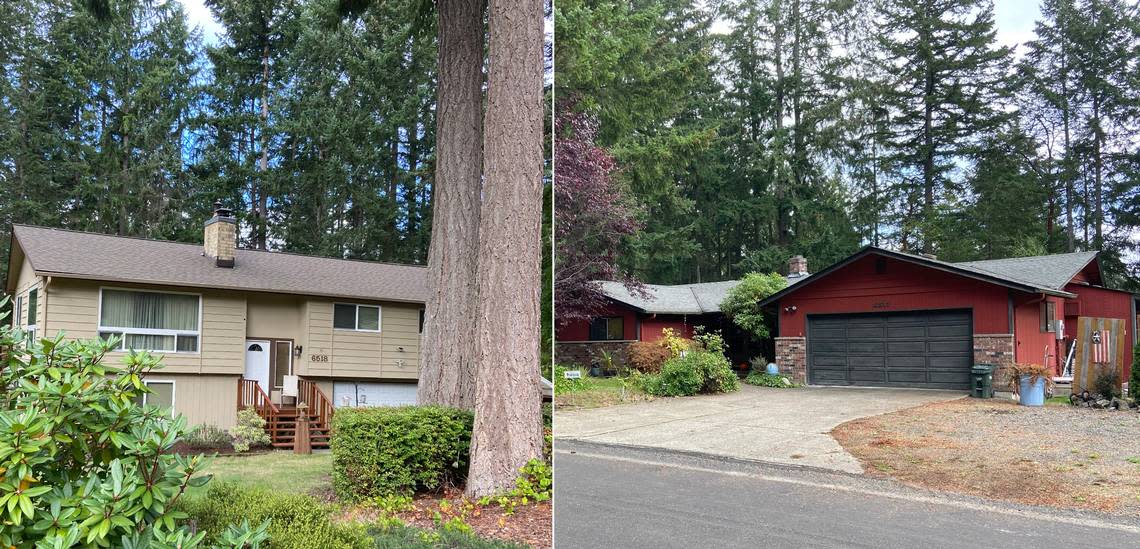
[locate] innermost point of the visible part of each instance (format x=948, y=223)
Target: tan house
x=236, y=327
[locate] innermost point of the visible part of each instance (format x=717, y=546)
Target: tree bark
x=508, y=418
x=447, y=370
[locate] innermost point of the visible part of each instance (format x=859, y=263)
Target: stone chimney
x=797, y=266
x=220, y=238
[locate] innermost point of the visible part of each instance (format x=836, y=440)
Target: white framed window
x=161, y=394
x=145, y=320
x=33, y=310
x=355, y=317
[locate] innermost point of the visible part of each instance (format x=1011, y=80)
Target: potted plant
x=1029, y=382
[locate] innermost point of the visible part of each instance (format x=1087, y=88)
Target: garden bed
x=1054, y=455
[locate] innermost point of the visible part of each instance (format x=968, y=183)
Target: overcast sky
x=1014, y=18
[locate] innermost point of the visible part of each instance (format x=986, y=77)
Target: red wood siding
x=902, y=286
x=652, y=325
x=1102, y=303
x=1033, y=345
x=579, y=330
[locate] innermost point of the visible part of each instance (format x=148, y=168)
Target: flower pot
x=1032, y=391
x=771, y=369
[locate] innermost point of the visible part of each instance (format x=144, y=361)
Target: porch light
x=297, y=351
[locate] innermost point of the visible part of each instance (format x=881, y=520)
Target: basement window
x=161, y=394
x=1048, y=316
x=359, y=318
x=610, y=328
x=150, y=321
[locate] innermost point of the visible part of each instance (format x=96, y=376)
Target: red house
x=885, y=318
x=630, y=317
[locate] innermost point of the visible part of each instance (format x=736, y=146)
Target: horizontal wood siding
x=653, y=327
x=74, y=310
x=902, y=286
x=361, y=355
x=203, y=399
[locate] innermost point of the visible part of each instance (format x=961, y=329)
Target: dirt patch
x=529, y=524
x=598, y=398
x=1058, y=456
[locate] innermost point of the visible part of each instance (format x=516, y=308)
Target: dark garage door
x=927, y=349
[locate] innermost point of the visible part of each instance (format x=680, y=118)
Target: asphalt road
x=607, y=497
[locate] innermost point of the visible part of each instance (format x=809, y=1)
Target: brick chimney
x=797, y=266
x=220, y=238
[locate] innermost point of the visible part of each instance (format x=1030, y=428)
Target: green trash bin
x=982, y=380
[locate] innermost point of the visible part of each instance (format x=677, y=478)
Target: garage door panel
x=906, y=331
x=831, y=360
x=955, y=330
x=931, y=349
x=866, y=347
x=943, y=346
x=906, y=347
x=825, y=347
x=948, y=362
x=859, y=332
x=906, y=362
x=867, y=376
x=836, y=332
x=906, y=376
x=869, y=361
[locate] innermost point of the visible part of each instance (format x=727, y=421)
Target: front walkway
x=776, y=425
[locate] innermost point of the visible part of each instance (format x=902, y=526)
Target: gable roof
x=1037, y=274
x=73, y=254
x=1047, y=271
x=680, y=299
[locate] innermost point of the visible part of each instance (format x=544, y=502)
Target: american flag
x=1102, y=348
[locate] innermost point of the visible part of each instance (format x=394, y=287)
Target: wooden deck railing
x=251, y=395
x=319, y=404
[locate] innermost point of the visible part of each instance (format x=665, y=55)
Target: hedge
x=296, y=521
x=401, y=450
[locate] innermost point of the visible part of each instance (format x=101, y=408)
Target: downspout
x=45, y=281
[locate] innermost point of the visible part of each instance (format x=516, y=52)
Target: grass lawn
x=597, y=392
x=279, y=471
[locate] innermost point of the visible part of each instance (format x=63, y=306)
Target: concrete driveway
x=776, y=425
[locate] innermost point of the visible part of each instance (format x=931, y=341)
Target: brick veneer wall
x=996, y=349
x=791, y=357
x=583, y=353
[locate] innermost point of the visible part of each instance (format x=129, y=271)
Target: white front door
x=257, y=362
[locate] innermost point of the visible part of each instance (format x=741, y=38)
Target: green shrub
x=249, y=431
x=399, y=536
x=769, y=380
x=384, y=451
x=548, y=415
x=697, y=371
x=1106, y=382
x=206, y=436
x=295, y=521
x=80, y=462
x=563, y=385
x=535, y=483
x=1134, y=377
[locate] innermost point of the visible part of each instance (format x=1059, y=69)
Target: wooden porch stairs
x=281, y=421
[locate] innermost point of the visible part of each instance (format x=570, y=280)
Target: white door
x=257, y=362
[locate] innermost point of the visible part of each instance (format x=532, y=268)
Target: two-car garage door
x=925, y=349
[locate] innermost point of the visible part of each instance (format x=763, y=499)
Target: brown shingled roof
x=72, y=254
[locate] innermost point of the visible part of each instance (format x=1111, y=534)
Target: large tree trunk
x=508, y=419
x=447, y=373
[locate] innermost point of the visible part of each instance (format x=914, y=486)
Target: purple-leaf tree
x=593, y=218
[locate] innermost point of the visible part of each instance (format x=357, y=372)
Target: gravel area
x=1052, y=455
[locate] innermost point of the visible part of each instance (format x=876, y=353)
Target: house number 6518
x=319, y=358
